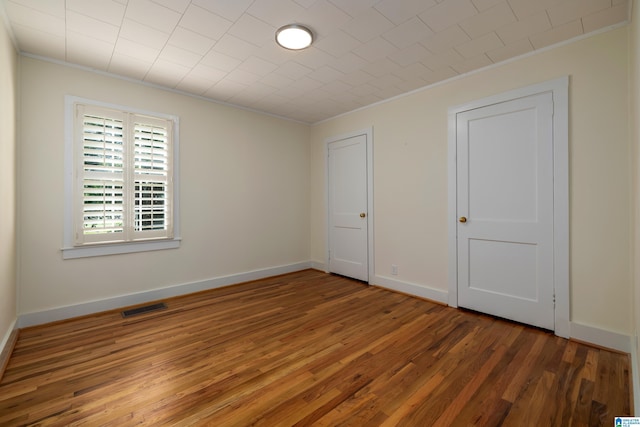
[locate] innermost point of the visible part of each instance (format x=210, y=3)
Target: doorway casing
x=559, y=89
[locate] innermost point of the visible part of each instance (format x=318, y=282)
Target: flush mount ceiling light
x=294, y=37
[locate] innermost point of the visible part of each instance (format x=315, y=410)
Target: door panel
x=518, y=263
x=505, y=192
x=348, y=219
x=491, y=196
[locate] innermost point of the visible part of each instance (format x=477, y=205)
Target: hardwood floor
x=307, y=349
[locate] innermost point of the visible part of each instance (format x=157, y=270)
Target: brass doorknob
x=463, y=219
x=362, y=215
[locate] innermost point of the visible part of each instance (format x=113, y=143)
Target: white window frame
x=72, y=248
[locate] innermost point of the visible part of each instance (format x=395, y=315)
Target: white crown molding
x=156, y=86
x=479, y=70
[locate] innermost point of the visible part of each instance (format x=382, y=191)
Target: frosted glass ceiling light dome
x=294, y=37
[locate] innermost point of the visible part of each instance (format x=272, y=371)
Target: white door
x=348, y=217
x=505, y=210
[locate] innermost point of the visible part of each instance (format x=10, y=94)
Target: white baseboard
x=410, y=288
x=316, y=265
x=635, y=377
x=6, y=336
x=601, y=337
x=586, y=333
x=67, y=312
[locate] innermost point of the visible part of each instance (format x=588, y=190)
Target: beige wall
x=410, y=174
x=8, y=97
x=244, y=192
x=634, y=129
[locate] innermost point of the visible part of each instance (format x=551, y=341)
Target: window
x=122, y=180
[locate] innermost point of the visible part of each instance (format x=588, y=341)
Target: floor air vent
x=144, y=309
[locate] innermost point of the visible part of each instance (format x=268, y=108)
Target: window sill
x=119, y=248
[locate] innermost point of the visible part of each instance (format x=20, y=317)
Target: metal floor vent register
x=144, y=309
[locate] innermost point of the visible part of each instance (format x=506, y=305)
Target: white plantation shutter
x=123, y=176
x=152, y=179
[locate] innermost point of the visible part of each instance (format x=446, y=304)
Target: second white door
x=348, y=216
x=505, y=209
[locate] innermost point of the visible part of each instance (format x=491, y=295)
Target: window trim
x=69, y=249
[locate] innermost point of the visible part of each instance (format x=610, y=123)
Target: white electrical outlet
x=394, y=269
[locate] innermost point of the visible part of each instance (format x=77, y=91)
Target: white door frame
x=368, y=133
x=560, y=92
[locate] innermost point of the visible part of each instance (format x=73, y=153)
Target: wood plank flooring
x=307, y=349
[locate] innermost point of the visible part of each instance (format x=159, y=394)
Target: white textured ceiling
x=364, y=51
